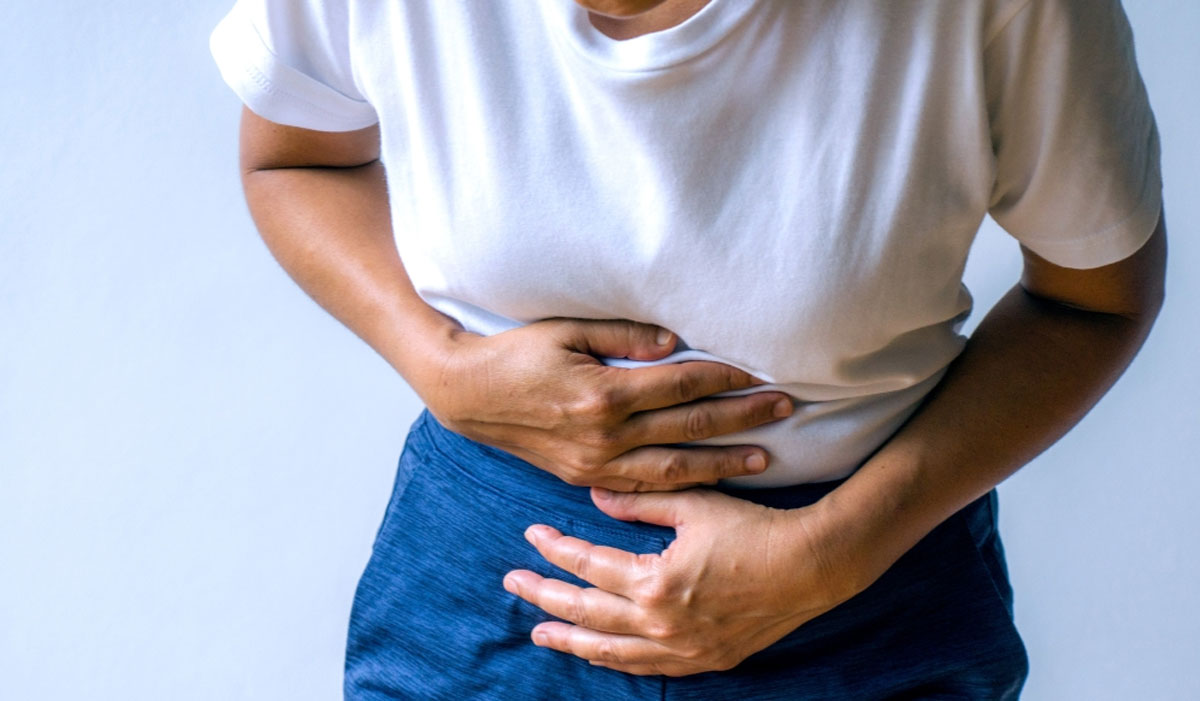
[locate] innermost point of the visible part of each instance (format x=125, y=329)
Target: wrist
x=433, y=365
x=859, y=530
x=826, y=536
x=884, y=509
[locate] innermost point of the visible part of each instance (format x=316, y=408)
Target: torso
x=785, y=185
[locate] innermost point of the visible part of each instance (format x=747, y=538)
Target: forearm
x=330, y=229
x=1030, y=372
x=539, y=390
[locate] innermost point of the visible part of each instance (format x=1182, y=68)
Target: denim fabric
x=431, y=619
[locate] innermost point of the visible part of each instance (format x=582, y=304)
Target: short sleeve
x=289, y=61
x=1077, y=176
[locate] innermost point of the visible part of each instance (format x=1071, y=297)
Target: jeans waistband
x=521, y=479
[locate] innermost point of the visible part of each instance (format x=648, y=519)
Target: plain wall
x=194, y=458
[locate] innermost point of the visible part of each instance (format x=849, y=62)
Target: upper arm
x=1132, y=287
x=1077, y=154
x=1078, y=175
x=266, y=145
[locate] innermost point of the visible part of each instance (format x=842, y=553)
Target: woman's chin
x=619, y=9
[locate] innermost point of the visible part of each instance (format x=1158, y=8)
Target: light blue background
x=194, y=457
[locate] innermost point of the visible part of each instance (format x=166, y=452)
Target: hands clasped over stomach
x=541, y=393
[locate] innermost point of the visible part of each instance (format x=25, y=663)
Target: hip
x=432, y=620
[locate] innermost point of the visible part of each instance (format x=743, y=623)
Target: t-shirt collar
x=657, y=50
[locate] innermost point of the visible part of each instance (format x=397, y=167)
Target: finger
x=661, y=508
x=658, y=386
x=611, y=569
x=597, y=646
x=624, y=484
x=590, y=608
x=661, y=465
x=616, y=338
x=679, y=668
x=704, y=419
x=610, y=479
x=643, y=670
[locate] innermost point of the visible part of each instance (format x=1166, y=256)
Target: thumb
x=619, y=339
x=659, y=508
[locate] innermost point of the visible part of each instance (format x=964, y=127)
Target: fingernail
x=601, y=493
x=510, y=584
x=783, y=408
x=663, y=337
x=540, y=639
x=531, y=534
x=755, y=463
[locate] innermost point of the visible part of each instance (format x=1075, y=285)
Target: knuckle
x=575, y=472
x=673, y=467
x=561, y=413
x=598, y=403
x=607, y=652
x=652, y=592
x=602, y=438
x=581, y=564
x=724, y=662
x=687, y=385
x=638, y=334
x=732, y=465
x=647, y=565
x=577, y=611
x=698, y=424
x=659, y=628
x=583, y=461
x=733, y=378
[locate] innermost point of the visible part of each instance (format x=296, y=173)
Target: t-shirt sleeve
x=1077, y=177
x=290, y=62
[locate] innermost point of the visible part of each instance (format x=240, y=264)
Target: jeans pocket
x=999, y=663
x=933, y=626
x=406, y=468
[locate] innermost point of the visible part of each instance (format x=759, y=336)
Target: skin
x=625, y=19
x=738, y=576
x=320, y=202
x=627, y=9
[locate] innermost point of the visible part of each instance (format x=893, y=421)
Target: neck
x=664, y=16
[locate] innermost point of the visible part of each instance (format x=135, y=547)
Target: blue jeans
x=431, y=619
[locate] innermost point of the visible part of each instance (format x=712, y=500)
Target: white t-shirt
x=790, y=186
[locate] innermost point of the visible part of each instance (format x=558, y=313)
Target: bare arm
x=320, y=202
x=740, y=576
x=1043, y=356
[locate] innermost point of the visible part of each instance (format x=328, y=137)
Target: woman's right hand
x=539, y=392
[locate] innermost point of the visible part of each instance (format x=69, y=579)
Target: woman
x=705, y=258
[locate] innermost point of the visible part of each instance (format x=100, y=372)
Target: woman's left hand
x=737, y=577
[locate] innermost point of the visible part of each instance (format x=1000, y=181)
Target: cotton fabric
x=791, y=187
